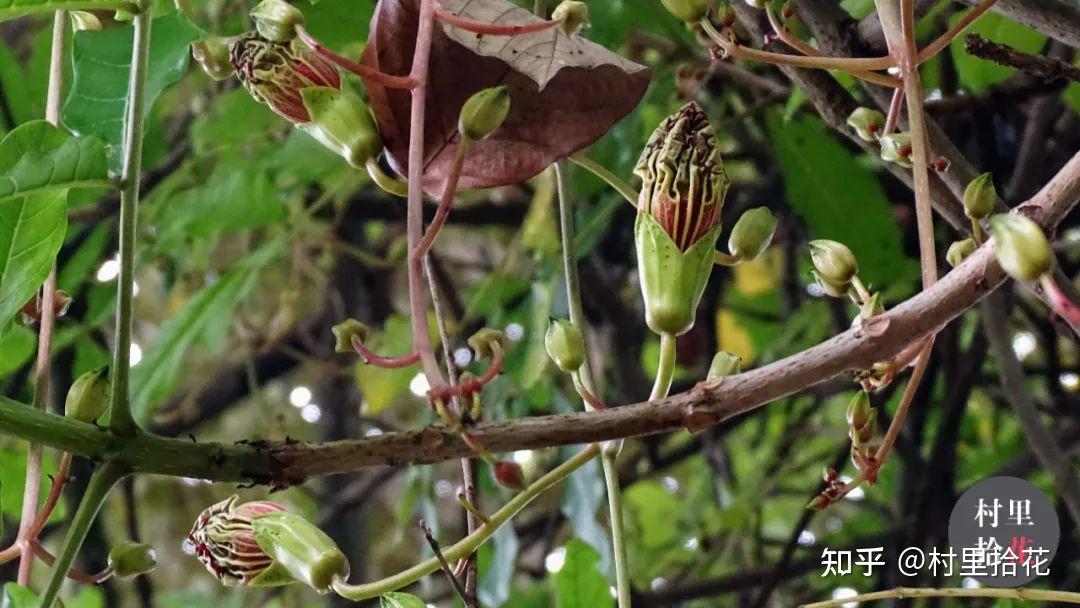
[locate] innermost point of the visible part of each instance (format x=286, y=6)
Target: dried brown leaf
x=565, y=92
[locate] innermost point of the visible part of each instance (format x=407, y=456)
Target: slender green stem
x=120, y=419
x=860, y=288
x=577, y=317
x=472, y=542
x=97, y=490
x=976, y=231
x=665, y=369
x=726, y=259
x=901, y=592
x=603, y=173
x=388, y=183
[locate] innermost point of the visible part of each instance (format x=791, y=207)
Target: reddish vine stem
x=491, y=29
x=445, y=202
x=371, y=358
x=895, y=106
x=1059, y=302
x=74, y=574
x=415, y=215
x=942, y=41
x=364, y=71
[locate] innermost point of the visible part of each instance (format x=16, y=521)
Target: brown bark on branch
x=1046, y=68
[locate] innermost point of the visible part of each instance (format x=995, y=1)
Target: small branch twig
x=903, y=592
x=454, y=581
x=1047, y=68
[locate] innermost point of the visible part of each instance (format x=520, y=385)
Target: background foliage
x=254, y=240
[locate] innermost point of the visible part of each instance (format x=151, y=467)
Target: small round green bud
x=835, y=290
x=346, y=331
x=858, y=410
x=959, y=251
x=1022, y=248
x=565, y=345
x=724, y=364
x=896, y=148
x=867, y=123
x=276, y=20
x=690, y=11
x=572, y=16
x=486, y=342
x=834, y=262
x=83, y=21
x=212, y=55
x=129, y=559
x=980, y=197
x=88, y=397
x=484, y=112
x=752, y=234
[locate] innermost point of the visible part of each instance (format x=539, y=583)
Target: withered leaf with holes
x=565, y=92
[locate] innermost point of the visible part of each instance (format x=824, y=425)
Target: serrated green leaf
x=579, y=583
x=156, y=375
x=102, y=63
x=31, y=232
x=400, y=600
x=10, y=9
x=838, y=198
x=37, y=157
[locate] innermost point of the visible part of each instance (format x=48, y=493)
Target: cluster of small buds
x=833, y=492
x=862, y=428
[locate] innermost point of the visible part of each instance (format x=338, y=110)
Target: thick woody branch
x=1046, y=68
x=285, y=463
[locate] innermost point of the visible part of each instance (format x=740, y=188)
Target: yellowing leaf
x=733, y=338
x=758, y=276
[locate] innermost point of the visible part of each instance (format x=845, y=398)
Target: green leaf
x=400, y=600
x=96, y=104
x=579, y=583
x=582, y=498
x=38, y=157
x=17, y=596
x=13, y=480
x=838, y=198
x=16, y=348
x=208, y=310
x=31, y=233
x=10, y=9
x=654, y=513
x=339, y=22
x=977, y=74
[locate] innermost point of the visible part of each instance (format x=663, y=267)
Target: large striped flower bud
x=275, y=73
x=301, y=86
x=224, y=542
x=678, y=221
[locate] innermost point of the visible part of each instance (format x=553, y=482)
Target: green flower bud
x=835, y=290
x=678, y=223
x=344, y=333
x=486, y=342
x=690, y=11
x=980, y=197
x=130, y=559
x=212, y=55
x=752, y=234
x=88, y=397
x=896, y=148
x=1022, y=248
x=724, y=364
x=565, y=345
x=834, y=262
x=301, y=549
x=342, y=122
x=863, y=434
x=870, y=308
x=82, y=21
x=867, y=123
x=858, y=410
x=276, y=20
x=484, y=112
x=959, y=251
x=572, y=16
